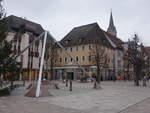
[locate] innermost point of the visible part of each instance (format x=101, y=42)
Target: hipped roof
x=85, y=34
x=88, y=34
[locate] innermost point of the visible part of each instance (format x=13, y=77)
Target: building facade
x=77, y=55
x=22, y=32
x=79, y=44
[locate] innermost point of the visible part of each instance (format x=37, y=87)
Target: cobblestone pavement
x=19, y=104
x=140, y=107
x=114, y=97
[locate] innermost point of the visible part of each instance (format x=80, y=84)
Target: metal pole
x=70, y=84
x=15, y=57
x=41, y=67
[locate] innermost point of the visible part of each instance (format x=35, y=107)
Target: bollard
x=70, y=85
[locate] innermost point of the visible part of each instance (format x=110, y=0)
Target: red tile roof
x=147, y=50
x=114, y=39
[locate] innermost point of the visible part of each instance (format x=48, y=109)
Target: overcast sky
x=60, y=16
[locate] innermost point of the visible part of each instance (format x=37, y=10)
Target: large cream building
x=79, y=44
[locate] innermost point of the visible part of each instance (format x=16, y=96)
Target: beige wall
x=83, y=51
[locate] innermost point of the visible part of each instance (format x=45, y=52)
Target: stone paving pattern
x=114, y=97
x=141, y=107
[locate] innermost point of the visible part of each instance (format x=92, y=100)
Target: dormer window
x=66, y=41
x=80, y=40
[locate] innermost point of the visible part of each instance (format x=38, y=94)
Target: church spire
x=112, y=29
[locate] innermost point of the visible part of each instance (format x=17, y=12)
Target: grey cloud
x=60, y=16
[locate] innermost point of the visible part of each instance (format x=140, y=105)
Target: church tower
x=112, y=29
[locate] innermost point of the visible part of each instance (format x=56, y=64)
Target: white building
x=23, y=32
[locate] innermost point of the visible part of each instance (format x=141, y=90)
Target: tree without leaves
x=51, y=57
x=148, y=66
x=99, y=58
x=146, y=71
x=136, y=58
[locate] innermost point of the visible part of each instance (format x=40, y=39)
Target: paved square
x=114, y=97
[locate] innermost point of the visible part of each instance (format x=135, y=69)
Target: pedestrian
x=144, y=80
x=63, y=78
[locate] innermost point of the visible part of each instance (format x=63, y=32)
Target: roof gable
x=85, y=34
x=118, y=42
